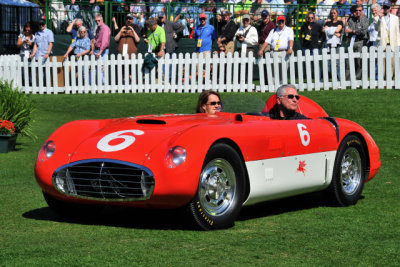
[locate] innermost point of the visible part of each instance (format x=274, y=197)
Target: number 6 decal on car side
x=106, y=144
x=304, y=134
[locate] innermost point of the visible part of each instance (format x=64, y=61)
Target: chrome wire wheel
x=351, y=171
x=217, y=186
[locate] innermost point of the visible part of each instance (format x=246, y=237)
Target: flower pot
x=7, y=142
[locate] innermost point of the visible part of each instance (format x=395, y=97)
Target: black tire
x=348, y=173
x=221, y=188
x=71, y=210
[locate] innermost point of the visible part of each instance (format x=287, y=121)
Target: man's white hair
x=282, y=89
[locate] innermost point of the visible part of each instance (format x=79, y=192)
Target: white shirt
x=251, y=38
x=324, y=9
x=279, y=39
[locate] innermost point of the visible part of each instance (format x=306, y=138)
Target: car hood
x=133, y=139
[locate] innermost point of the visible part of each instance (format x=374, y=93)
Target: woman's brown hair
x=203, y=98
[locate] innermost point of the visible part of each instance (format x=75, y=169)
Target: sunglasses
x=292, y=96
x=214, y=103
x=98, y=20
x=281, y=21
x=202, y=18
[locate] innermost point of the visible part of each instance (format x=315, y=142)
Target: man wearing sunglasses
x=280, y=39
x=388, y=27
x=311, y=33
x=287, y=101
x=43, y=44
x=358, y=32
x=204, y=35
x=388, y=31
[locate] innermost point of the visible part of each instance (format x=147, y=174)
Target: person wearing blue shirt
x=72, y=11
x=44, y=39
x=73, y=29
x=204, y=35
x=155, y=7
x=81, y=45
x=343, y=8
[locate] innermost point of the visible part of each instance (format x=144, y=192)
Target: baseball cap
x=280, y=18
x=387, y=3
x=202, y=15
x=246, y=17
x=129, y=16
x=264, y=13
x=161, y=14
x=42, y=22
x=225, y=12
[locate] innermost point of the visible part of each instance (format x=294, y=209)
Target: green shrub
x=17, y=108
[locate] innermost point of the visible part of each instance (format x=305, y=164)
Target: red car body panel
x=255, y=137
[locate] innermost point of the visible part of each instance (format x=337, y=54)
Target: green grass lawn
x=294, y=231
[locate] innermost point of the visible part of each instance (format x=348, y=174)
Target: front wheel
x=221, y=188
x=349, y=172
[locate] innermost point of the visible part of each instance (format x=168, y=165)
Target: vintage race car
x=212, y=164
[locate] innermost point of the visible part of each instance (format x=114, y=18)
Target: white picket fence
x=223, y=73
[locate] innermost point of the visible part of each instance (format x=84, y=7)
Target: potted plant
x=8, y=137
x=15, y=108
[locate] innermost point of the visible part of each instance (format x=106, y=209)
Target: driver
x=287, y=100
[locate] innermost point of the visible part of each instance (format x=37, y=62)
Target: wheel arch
x=235, y=146
x=365, y=147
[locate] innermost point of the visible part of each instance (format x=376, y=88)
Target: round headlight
x=49, y=148
x=176, y=156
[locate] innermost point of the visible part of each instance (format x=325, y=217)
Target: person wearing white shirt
x=280, y=39
x=373, y=29
x=323, y=10
x=246, y=37
x=388, y=28
x=388, y=31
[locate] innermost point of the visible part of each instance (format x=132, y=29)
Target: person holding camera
x=246, y=37
x=127, y=40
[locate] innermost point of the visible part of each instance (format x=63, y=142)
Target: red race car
x=212, y=164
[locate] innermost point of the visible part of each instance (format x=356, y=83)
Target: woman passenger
x=209, y=102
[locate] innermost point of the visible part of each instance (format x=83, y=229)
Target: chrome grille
x=104, y=180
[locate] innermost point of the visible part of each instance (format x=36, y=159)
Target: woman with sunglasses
x=209, y=102
x=25, y=41
x=81, y=45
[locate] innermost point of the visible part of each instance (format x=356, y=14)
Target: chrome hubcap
x=350, y=176
x=217, y=186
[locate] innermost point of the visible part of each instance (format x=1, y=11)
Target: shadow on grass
x=284, y=205
x=179, y=219
x=166, y=219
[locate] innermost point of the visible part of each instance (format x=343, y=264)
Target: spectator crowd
x=224, y=27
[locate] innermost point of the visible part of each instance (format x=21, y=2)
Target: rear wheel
x=220, y=192
x=349, y=172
